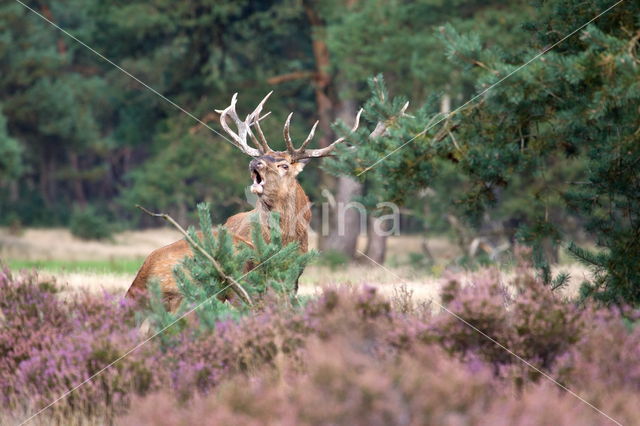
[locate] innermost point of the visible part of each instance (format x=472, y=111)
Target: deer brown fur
x=159, y=265
x=274, y=175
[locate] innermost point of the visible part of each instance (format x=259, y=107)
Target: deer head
x=273, y=172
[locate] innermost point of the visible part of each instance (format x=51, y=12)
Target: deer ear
x=298, y=166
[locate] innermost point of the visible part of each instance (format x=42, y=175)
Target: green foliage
x=279, y=267
x=111, y=266
x=90, y=134
x=274, y=273
x=89, y=223
x=334, y=259
x=181, y=173
x=401, y=39
x=87, y=132
x=549, y=152
x=167, y=324
x=554, y=144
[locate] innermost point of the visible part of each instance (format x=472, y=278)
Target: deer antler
x=239, y=139
x=382, y=126
x=302, y=152
x=244, y=127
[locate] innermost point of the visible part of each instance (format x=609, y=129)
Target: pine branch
x=240, y=291
x=584, y=256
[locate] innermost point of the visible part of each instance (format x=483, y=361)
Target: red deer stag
x=274, y=182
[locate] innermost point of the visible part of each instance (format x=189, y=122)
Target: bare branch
x=296, y=75
x=211, y=116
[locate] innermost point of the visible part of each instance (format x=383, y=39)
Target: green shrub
x=89, y=224
x=274, y=274
x=15, y=224
x=419, y=261
x=334, y=259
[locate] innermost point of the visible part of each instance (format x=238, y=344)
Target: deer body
x=159, y=266
x=274, y=175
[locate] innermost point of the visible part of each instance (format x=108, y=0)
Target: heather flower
x=347, y=357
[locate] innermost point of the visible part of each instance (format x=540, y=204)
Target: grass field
x=112, y=265
x=106, y=266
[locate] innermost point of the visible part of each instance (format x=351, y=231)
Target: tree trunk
x=46, y=178
x=43, y=180
x=52, y=188
x=14, y=192
x=322, y=78
x=377, y=228
x=551, y=252
x=376, y=239
x=347, y=218
x=78, y=189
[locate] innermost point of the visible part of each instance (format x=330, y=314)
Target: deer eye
x=285, y=166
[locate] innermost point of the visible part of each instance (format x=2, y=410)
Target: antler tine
x=257, y=142
x=258, y=109
x=357, y=123
x=404, y=108
x=224, y=113
x=308, y=139
x=255, y=116
x=296, y=153
x=240, y=138
x=261, y=141
x=382, y=127
x=287, y=136
x=264, y=116
x=323, y=152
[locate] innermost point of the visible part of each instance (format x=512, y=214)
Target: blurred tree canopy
x=80, y=132
x=91, y=134
x=10, y=153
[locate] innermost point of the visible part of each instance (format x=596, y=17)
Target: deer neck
x=295, y=215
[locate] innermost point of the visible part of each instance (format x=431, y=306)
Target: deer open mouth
x=258, y=182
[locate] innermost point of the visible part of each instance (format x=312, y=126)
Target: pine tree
x=559, y=135
x=207, y=291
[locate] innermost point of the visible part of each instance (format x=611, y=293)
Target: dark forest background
x=78, y=135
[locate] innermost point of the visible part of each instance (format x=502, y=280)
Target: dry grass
x=315, y=278
x=60, y=245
